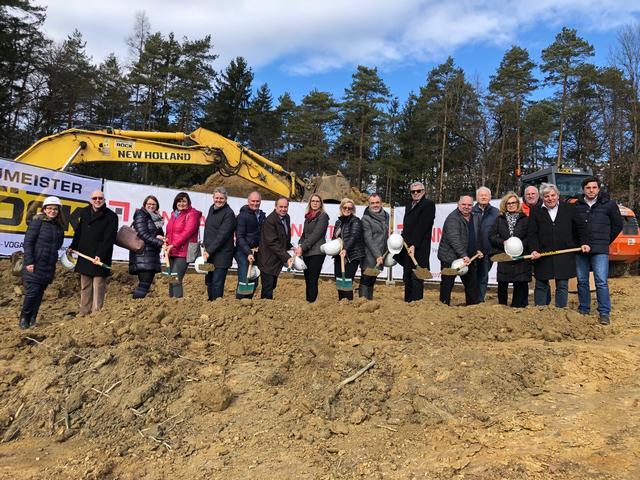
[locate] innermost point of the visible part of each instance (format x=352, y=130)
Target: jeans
x=215, y=282
x=243, y=265
x=542, y=293
x=599, y=264
x=484, y=264
x=178, y=265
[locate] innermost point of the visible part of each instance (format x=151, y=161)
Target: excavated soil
x=166, y=388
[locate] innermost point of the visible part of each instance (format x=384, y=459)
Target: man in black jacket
x=419, y=216
x=603, y=222
x=94, y=235
x=218, y=242
x=250, y=220
x=554, y=226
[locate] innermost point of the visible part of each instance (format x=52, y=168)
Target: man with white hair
x=485, y=216
x=554, y=225
x=419, y=216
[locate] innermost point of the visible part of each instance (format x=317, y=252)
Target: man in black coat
x=218, y=242
x=554, y=226
x=250, y=220
x=419, y=216
x=603, y=222
x=94, y=235
x=275, y=240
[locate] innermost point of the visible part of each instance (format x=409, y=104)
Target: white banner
x=22, y=190
x=124, y=198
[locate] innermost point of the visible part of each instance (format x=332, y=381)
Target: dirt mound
x=185, y=388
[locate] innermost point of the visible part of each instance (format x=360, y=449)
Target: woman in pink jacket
x=181, y=230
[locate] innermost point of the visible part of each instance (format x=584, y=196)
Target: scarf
x=512, y=219
x=157, y=219
x=312, y=214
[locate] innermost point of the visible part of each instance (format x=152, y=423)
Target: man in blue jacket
x=603, y=222
x=250, y=220
x=485, y=216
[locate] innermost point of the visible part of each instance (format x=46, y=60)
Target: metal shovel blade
x=452, y=272
x=344, y=284
x=246, y=288
x=207, y=267
x=422, y=273
x=371, y=272
x=502, y=257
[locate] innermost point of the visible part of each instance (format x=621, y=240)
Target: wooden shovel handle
x=411, y=256
x=342, y=265
x=87, y=257
x=249, y=269
x=473, y=258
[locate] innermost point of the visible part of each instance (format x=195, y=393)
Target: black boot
x=142, y=289
x=369, y=292
x=362, y=291
x=32, y=320
x=24, y=321
x=177, y=290
x=172, y=289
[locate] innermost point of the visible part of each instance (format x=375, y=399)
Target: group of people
x=472, y=232
x=545, y=225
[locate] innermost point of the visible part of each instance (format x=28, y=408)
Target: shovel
x=246, y=288
x=342, y=283
x=205, y=266
x=374, y=271
x=167, y=266
x=420, y=273
x=504, y=257
x=87, y=257
x=456, y=271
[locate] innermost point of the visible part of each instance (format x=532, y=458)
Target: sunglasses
x=347, y=208
x=97, y=198
x=417, y=191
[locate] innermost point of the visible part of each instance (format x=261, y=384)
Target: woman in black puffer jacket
x=147, y=223
x=349, y=228
x=42, y=241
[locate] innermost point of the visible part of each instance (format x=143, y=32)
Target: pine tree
x=561, y=62
x=263, y=128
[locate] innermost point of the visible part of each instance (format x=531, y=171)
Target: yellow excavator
x=201, y=147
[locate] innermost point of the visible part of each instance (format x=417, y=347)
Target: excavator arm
x=201, y=147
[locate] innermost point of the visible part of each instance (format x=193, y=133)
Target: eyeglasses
x=413, y=192
x=97, y=198
x=512, y=203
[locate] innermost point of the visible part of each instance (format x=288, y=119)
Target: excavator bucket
x=332, y=188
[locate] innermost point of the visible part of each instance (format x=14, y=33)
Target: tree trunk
x=442, y=151
x=562, y=108
x=501, y=162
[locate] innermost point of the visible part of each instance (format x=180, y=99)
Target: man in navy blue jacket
x=250, y=220
x=603, y=222
x=485, y=216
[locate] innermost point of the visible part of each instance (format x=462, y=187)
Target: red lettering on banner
x=436, y=234
x=399, y=227
x=296, y=229
x=125, y=208
x=331, y=227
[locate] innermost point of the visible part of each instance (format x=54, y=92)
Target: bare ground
x=166, y=388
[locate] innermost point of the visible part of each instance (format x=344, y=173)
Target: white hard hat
x=513, y=247
x=459, y=264
x=298, y=264
x=395, y=242
x=68, y=263
x=51, y=201
x=332, y=248
x=389, y=261
x=198, y=263
x=254, y=273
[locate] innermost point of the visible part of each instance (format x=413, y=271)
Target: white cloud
x=317, y=36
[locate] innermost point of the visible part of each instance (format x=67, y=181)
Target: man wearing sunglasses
x=419, y=216
x=94, y=235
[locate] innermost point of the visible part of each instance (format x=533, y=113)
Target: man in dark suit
x=419, y=216
x=554, y=226
x=275, y=240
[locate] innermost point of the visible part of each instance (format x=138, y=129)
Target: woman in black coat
x=511, y=222
x=42, y=241
x=147, y=223
x=349, y=228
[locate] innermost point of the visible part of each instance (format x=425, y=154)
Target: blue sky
x=297, y=46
